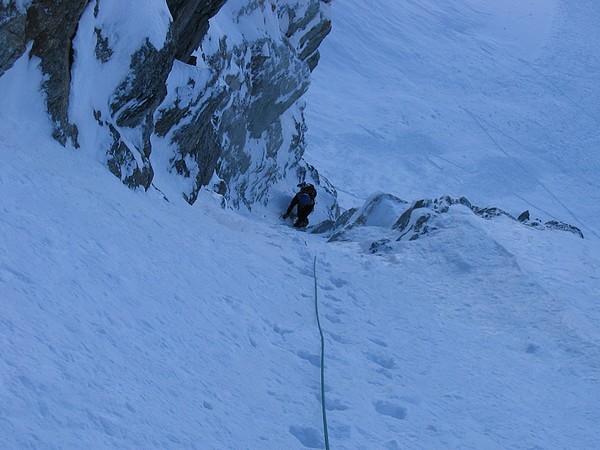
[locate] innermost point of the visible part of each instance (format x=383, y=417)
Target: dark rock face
x=50, y=25
x=144, y=89
x=190, y=24
x=524, y=216
x=311, y=38
x=12, y=35
x=121, y=160
x=133, y=106
x=198, y=145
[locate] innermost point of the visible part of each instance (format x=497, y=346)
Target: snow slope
x=496, y=101
x=131, y=322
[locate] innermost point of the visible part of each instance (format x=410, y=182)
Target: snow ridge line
x=323, y=408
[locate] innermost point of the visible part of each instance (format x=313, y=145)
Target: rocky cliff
x=192, y=93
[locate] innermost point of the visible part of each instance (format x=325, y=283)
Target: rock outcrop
x=240, y=105
x=190, y=24
x=50, y=27
x=385, y=219
x=206, y=91
x=13, y=22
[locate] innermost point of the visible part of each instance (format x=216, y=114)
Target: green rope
x=325, y=428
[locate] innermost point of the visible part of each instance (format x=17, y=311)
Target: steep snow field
x=131, y=322
x=497, y=101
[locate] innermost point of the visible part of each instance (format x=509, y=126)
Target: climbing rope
x=324, y=410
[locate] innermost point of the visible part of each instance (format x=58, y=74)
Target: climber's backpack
x=307, y=188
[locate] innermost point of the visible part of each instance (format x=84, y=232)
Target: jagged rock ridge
x=385, y=219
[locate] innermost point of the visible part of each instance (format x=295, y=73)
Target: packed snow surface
x=131, y=322
x=496, y=101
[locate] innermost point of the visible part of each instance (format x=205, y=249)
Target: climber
x=305, y=200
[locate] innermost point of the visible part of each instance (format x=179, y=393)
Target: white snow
x=131, y=322
x=496, y=101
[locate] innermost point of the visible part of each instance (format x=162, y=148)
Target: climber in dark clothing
x=305, y=200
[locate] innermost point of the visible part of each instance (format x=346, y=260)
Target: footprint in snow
x=333, y=319
x=277, y=329
x=308, y=437
x=390, y=409
x=532, y=348
x=378, y=342
x=325, y=287
x=335, y=405
x=333, y=298
x=392, y=445
x=315, y=360
x=384, y=361
x=338, y=282
x=307, y=272
x=288, y=260
x=337, y=338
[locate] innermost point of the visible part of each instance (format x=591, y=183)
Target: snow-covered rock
x=206, y=92
x=235, y=117
x=385, y=219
